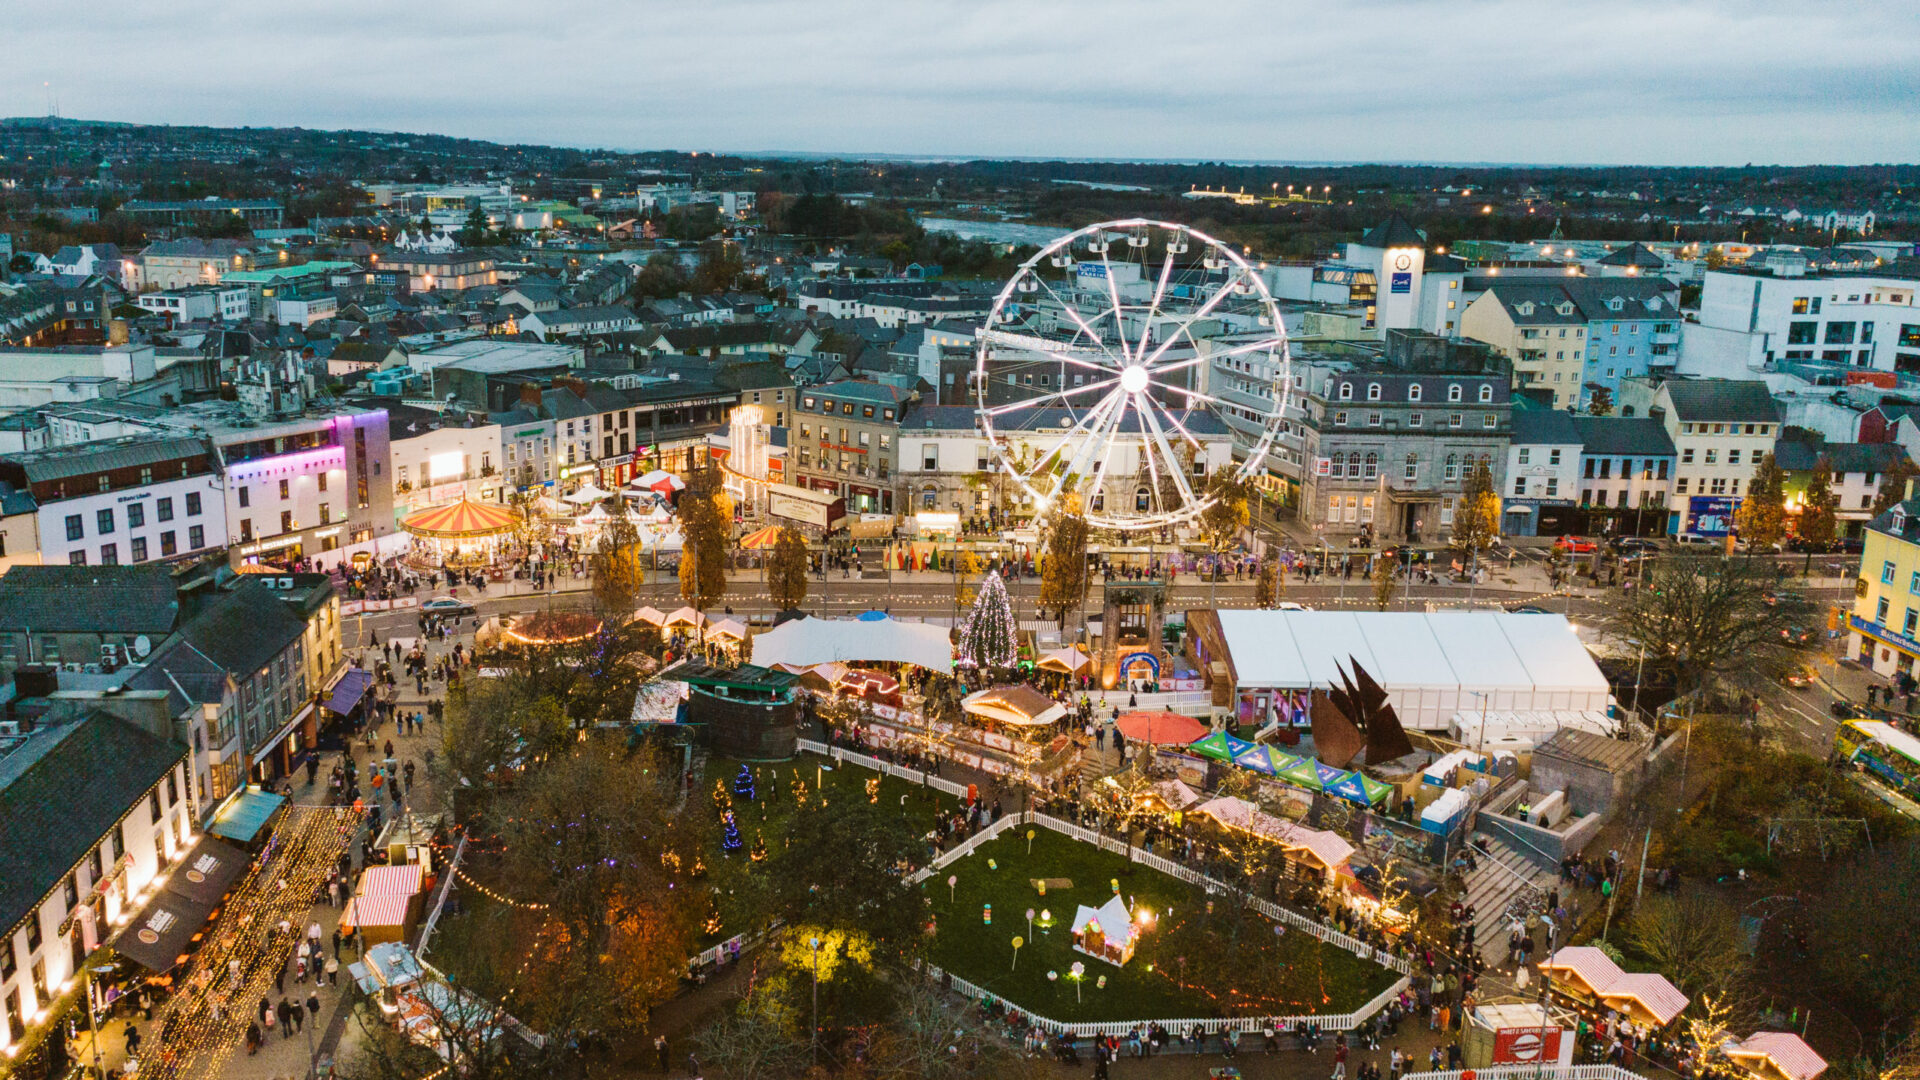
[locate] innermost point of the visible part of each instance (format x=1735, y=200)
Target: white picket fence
x=1327, y=1022
x=1532, y=1072
x=1242, y=1024
x=1265, y=907
x=911, y=776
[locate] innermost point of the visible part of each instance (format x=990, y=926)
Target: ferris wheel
x=1115, y=356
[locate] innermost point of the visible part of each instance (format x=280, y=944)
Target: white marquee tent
x=1432, y=665
x=810, y=641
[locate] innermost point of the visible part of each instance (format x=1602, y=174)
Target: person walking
x=660, y=1052
x=284, y=1013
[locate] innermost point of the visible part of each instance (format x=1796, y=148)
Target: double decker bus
x=1886, y=753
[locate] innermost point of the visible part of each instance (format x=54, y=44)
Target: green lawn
x=983, y=954
x=768, y=812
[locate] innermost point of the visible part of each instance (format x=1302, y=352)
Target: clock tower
x=1396, y=252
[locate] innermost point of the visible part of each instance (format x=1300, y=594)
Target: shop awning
x=376, y=911
x=403, y=880
x=348, y=690
x=204, y=876
x=242, y=819
x=157, y=938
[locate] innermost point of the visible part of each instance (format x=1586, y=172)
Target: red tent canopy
x=1160, y=727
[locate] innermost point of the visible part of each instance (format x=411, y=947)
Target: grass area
x=767, y=814
x=984, y=955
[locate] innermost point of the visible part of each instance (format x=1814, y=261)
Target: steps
x=1503, y=876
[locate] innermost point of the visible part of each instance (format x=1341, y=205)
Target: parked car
x=1579, y=545
x=1800, y=545
x=1288, y=605
x=446, y=605
x=1797, y=635
x=1797, y=678
x=1633, y=543
x=1528, y=609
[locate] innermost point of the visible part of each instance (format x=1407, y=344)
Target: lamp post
x=813, y=1032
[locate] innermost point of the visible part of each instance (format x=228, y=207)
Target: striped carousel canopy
x=465, y=518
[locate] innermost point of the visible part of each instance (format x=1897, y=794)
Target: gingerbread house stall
x=1586, y=976
x=1105, y=933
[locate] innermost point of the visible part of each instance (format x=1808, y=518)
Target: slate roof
x=1634, y=254
x=89, y=599
x=1722, y=399
x=243, y=630
x=1544, y=427
x=1794, y=456
x=129, y=452
x=1040, y=418
x=1396, y=231
x=1604, y=436
x=72, y=790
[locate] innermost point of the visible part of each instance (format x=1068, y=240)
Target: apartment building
x=845, y=441
x=1720, y=429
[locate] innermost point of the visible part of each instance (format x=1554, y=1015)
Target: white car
x=1288, y=605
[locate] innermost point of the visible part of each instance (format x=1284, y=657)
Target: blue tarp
x=349, y=690
x=242, y=818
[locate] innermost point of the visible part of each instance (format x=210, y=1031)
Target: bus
x=1888, y=754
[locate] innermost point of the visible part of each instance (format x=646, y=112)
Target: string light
x=280, y=887
x=524, y=905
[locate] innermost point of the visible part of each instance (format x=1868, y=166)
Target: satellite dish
x=141, y=646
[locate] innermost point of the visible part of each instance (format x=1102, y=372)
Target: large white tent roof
x=810, y=641
x=1432, y=663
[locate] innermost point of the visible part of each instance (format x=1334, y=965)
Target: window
x=286, y=488
x=1799, y=305
x=1486, y=393
x=1519, y=486
x=109, y=555
x=326, y=513
x=1525, y=453
x=1553, y=486
x=1680, y=486
x=1416, y=419
x=168, y=544
x=77, y=557
x=1713, y=456
x=1453, y=392
x=1346, y=391
x=1455, y=419
x=1413, y=391
x=1802, y=333
x=1886, y=573
x=1490, y=421
x=1686, y=456
x=1412, y=471
x=1590, y=466
x=1453, y=468
x=138, y=549
x=1340, y=419
x=1913, y=619
x=1606, y=468
x=1553, y=457
x=193, y=504
x=286, y=521
x=1373, y=391
x=196, y=537
x=1373, y=419
x=1839, y=333
x=75, y=530
x=1373, y=466
x=1733, y=457
x=1880, y=612
x=104, y=520
x=163, y=509
x=246, y=498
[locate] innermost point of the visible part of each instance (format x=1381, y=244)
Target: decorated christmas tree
x=989, y=638
x=743, y=783
x=759, y=850
x=722, y=802
x=730, y=841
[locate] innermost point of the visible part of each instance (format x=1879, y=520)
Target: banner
x=1526, y=1046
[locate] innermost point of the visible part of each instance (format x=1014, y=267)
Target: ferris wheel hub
x=1133, y=379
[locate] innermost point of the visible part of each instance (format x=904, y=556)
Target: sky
x=1663, y=82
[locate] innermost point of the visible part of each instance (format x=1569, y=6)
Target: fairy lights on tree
x=989, y=638
x=730, y=841
x=743, y=783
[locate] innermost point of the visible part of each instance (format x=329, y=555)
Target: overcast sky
x=1550, y=81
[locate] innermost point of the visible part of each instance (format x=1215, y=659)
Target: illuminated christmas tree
x=730, y=841
x=743, y=783
x=759, y=851
x=990, y=638
x=722, y=802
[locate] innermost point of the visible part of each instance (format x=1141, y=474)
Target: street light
x=813, y=1033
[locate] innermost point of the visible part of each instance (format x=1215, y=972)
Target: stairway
x=1502, y=875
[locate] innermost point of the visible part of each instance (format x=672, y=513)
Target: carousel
x=460, y=534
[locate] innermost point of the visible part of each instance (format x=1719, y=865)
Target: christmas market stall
x=419, y=1001
x=1588, y=977
x=1775, y=1055
x=1107, y=932
x=1017, y=705
x=1314, y=854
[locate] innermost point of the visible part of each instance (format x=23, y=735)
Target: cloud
x=1673, y=82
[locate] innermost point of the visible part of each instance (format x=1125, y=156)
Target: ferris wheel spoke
x=1056, y=395
x=1119, y=310
x=1177, y=365
x=1153, y=307
x=1173, y=463
x=1073, y=311
x=1106, y=459
x=1252, y=346
x=1066, y=353
x=1186, y=326
x=1047, y=460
